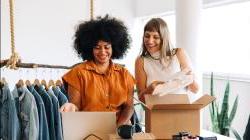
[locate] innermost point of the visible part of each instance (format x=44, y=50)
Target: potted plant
x=219, y=113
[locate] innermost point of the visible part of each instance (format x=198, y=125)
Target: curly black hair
x=105, y=29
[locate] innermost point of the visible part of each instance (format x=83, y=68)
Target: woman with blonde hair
x=159, y=61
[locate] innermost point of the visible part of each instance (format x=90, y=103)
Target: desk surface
x=219, y=137
x=149, y=136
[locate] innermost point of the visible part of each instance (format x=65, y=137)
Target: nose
x=150, y=40
x=102, y=50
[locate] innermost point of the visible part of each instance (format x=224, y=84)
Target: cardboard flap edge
x=204, y=100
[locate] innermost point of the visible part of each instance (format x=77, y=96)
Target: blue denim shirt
x=49, y=110
x=43, y=125
x=28, y=114
x=9, y=124
x=62, y=99
x=57, y=115
x=63, y=90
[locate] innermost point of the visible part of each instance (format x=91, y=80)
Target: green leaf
x=212, y=84
x=212, y=91
x=224, y=108
x=217, y=118
x=214, y=122
x=236, y=134
x=233, y=111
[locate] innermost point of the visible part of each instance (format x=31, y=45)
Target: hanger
x=20, y=83
x=27, y=83
x=51, y=83
x=59, y=83
x=36, y=82
x=3, y=82
x=44, y=83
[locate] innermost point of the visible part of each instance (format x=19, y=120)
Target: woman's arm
x=75, y=101
x=127, y=110
x=141, y=79
x=185, y=63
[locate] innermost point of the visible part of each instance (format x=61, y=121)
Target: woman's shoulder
x=82, y=66
x=78, y=65
x=139, y=60
x=120, y=68
x=179, y=52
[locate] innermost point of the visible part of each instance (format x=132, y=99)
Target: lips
x=150, y=47
x=102, y=57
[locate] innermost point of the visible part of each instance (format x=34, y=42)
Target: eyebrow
x=152, y=34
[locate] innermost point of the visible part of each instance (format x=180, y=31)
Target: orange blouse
x=98, y=91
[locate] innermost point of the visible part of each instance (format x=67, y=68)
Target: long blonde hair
x=166, y=49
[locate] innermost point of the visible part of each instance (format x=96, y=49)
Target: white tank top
x=155, y=71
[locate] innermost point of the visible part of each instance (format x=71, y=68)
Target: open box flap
x=204, y=100
x=166, y=99
x=176, y=106
x=176, y=101
x=161, y=102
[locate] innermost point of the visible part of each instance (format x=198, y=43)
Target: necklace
x=154, y=57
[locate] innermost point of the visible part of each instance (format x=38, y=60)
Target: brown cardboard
x=173, y=113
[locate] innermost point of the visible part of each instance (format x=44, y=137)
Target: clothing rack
x=34, y=65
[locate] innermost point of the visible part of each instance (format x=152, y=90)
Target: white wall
x=47, y=27
x=145, y=8
x=44, y=30
x=153, y=7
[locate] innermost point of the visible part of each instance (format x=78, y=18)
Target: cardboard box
x=173, y=113
x=136, y=136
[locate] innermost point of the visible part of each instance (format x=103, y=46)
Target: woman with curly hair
x=98, y=84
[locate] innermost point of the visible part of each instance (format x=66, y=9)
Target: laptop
x=79, y=125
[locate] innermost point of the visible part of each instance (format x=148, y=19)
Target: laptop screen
x=78, y=125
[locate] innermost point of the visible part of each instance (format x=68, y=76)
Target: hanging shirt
x=49, y=110
x=9, y=124
x=62, y=99
x=98, y=91
x=57, y=115
x=28, y=114
x=43, y=125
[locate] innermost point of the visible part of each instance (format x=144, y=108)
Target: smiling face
x=102, y=52
x=152, y=41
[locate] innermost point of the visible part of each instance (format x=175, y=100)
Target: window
x=225, y=41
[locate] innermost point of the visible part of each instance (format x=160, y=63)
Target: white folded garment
x=178, y=81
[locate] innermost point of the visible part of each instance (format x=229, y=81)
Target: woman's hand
x=152, y=86
x=193, y=87
x=68, y=107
